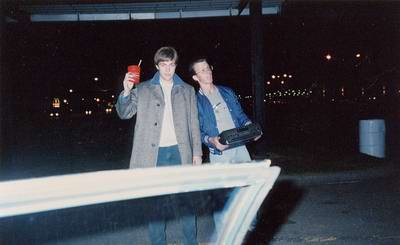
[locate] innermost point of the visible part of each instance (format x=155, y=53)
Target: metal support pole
x=257, y=67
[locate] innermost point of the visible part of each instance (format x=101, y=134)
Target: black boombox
x=240, y=136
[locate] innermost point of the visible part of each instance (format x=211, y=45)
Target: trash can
x=372, y=137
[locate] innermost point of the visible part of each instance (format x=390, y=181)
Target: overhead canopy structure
x=107, y=10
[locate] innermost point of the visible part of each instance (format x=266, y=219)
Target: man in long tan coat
x=167, y=128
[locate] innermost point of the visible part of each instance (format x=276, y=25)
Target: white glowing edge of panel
x=50, y=193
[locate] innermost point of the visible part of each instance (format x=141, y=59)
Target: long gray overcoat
x=147, y=102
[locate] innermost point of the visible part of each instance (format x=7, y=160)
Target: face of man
x=203, y=73
x=166, y=69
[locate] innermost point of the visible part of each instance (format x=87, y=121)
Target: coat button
x=155, y=124
x=158, y=104
x=153, y=145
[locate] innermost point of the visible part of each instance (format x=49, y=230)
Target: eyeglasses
x=205, y=69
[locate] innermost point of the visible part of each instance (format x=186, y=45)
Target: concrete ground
x=324, y=195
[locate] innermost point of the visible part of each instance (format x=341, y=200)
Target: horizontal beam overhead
x=105, y=10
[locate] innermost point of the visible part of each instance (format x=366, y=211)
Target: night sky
x=45, y=59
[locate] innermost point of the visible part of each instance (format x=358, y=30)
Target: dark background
x=41, y=61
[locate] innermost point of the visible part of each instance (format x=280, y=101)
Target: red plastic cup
x=136, y=70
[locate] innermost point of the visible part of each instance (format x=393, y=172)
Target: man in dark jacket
x=219, y=110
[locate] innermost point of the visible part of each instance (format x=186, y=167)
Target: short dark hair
x=165, y=54
x=193, y=63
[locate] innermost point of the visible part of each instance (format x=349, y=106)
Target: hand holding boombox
x=240, y=136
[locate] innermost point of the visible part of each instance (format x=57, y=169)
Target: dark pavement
x=322, y=196
x=341, y=207
x=362, y=207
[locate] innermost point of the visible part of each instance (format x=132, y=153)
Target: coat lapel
x=157, y=93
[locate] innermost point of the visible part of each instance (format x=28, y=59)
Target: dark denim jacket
x=208, y=122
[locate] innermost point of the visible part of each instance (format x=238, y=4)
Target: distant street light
x=358, y=55
x=328, y=57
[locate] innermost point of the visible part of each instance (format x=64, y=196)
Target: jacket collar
x=156, y=79
x=202, y=92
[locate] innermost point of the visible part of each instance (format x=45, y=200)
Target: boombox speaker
x=240, y=136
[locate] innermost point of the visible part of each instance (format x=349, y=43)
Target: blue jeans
x=160, y=210
x=234, y=155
